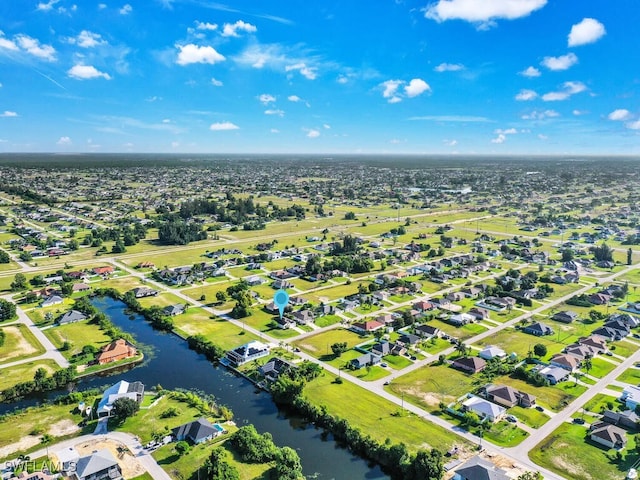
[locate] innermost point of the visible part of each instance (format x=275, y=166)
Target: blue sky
x=383, y=76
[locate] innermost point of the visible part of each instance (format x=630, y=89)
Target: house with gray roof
x=484, y=408
x=479, y=469
x=71, y=316
x=198, y=431
x=99, y=465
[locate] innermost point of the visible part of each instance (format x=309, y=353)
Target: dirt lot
x=128, y=464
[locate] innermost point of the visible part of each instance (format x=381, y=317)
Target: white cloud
x=102, y=6
x=307, y=72
x=311, y=133
x=501, y=138
x=449, y=67
x=507, y=131
x=483, y=13
x=530, y=72
x=416, y=87
x=542, y=136
x=7, y=44
x=64, y=141
x=342, y=79
x=87, y=39
x=274, y=111
x=568, y=89
x=216, y=83
x=126, y=9
x=540, y=115
x=634, y=125
x=589, y=30
x=35, y=48
x=326, y=126
x=274, y=130
x=267, y=98
x=526, y=95
x=194, y=54
x=563, y=62
x=577, y=112
x=46, y=6
x=231, y=29
x=86, y=72
x=450, y=143
x=220, y=126
x=175, y=144
x=390, y=89
x=294, y=98
x=620, y=114
x=206, y=26
x=153, y=98
x=8, y=113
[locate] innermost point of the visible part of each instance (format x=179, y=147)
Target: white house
x=492, y=352
x=631, y=397
x=248, y=352
x=484, y=408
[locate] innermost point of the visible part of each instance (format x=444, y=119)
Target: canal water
x=170, y=363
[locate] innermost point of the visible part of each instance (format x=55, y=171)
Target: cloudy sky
x=379, y=76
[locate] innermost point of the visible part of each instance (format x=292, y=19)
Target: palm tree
x=461, y=348
x=587, y=364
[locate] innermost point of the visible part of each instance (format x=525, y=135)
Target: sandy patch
x=311, y=348
x=427, y=397
x=22, y=347
x=23, y=444
x=63, y=427
x=128, y=464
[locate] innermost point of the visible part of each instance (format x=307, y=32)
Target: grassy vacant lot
x=430, y=385
x=34, y=422
x=376, y=416
x=262, y=321
x=334, y=292
x=600, y=367
x=163, y=299
x=602, y=402
x=568, y=453
x=25, y=371
x=327, y=320
x=631, y=375
x=462, y=333
x=320, y=345
x=78, y=334
x=122, y=284
x=529, y=416
x=221, y=332
x=505, y=434
x=19, y=343
x=512, y=340
x=624, y=348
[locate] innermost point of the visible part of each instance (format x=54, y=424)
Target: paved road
x=51, y=350
x=132, y=443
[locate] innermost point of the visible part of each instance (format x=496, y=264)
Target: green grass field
x=19, y=343
x=568, y=453
x=631, y=376
x=221, y=332
x=554, y=397
x=376, y=416
x=512, y=340
x=600, y=367
x=78, y=334
x=319, y=345
x=25, y=371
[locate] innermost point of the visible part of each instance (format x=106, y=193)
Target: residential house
x=284, y=323
x=472, y=292
x=100, y=465
x=615, y=330
x=248, y=352
x=71, y=316
x=566, y=316
x=368, y=359
x=469, y=364
x=104, y=271
x=173, y=310
x=626, y=318
x=367, y=326
x=52, y=300
x=67, y=459
x=460, y=319
x=484, y=408
x=456, y=296
x=381, y=349
x=303, y=317
x=554, y=374
x=631, y=397
x=117, y=350
x=608, y=435
x=423, y=306
x=141, y=292
x=122, y=389
x=479, y=313
x=568, y=362
x=596, y=343
x=427, y=331
x=254, y=280
x=80, y=287
x=479, y=469
x=491, y=352
x=538, y=329
x=579, y=351
x=407, y=339
x=599, y=298
x=197, y=431
x=627, y=419
x=274, y=368
x=281, y=284
x=507, y=396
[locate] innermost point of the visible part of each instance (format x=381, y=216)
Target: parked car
x=384, y=365
x=579, y=421
x=511, y=418
x=539, y=408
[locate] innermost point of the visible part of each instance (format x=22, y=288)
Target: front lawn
x=631, y=376
x=78, y=334
x=529, y=416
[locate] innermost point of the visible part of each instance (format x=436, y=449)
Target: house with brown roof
x=507, y=396
x=107, y=270
x=116, y=350
x=368, y=326
x=469, y=364
x=595, y=342
x=568, y=362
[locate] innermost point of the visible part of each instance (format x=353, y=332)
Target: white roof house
x=122, y=389
x=631, y=396
x=484, y=408
x=492, y=352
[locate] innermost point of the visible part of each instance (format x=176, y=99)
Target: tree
x=540, y=350
x=7, y=309
x=425, y=466
x=603, y=253
x=629, y=257
x=530, y=476
x=4, y=257
x=124, y=408
x=339, y=348
x=19, y=282
x=461, y=348
x=567, y=255
x=182, y=448
x=221, y=296
x=587, y=363
x=218, y=467
x=288, y=466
